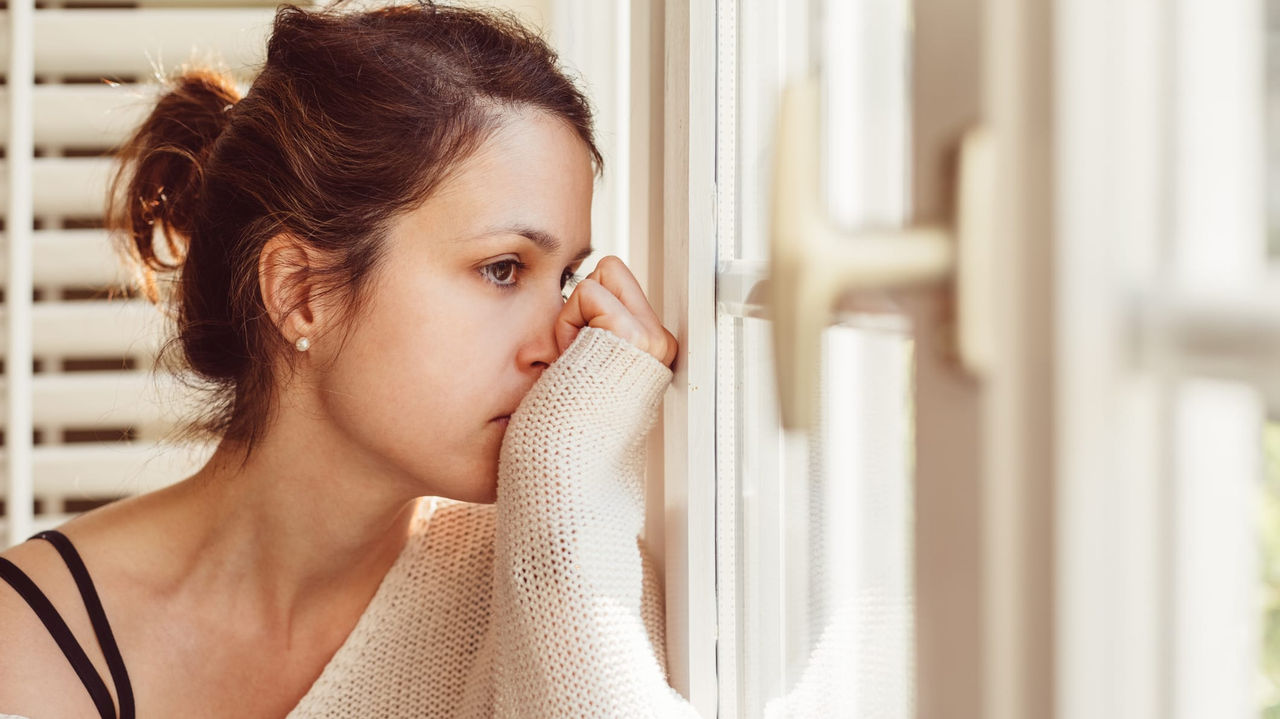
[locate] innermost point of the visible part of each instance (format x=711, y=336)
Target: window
x=814, y=529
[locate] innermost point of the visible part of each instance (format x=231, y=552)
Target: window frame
x=686, y=265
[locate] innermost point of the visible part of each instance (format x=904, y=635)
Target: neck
x=298, y=536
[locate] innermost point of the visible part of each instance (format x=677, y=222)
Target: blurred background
x=977, y=412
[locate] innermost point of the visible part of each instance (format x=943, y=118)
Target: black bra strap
x=61, y=634
x=97, y=616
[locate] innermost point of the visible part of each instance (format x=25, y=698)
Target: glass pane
x=772, y=48
x=824, y=571
x=814, y=532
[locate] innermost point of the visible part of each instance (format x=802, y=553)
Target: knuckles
x=662, y=345
x=611, y=262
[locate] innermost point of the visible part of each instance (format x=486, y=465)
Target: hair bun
x=161, y=170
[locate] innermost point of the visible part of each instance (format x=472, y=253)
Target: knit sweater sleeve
x=569, y=586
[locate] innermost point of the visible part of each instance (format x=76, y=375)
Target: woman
x=366, y=258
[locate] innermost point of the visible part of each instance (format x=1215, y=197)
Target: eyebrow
x=546, y=241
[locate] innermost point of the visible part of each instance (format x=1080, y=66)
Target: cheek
x=425, y=365
x=426, y=330
x=416, y=390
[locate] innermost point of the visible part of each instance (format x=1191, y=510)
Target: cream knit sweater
x=542, y=605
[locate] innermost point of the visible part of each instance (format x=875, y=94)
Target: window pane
x=824, y=574
x=814, y=548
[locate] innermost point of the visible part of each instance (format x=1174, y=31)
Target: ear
x=286, y=267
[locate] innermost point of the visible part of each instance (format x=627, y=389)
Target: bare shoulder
x=36, y=680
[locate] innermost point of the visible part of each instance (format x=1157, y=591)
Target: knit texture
x=543, y=604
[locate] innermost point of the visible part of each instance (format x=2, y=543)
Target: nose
x=538, y=347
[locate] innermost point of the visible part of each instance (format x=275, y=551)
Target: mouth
x=502, y=420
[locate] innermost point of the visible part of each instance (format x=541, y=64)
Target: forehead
x=533, y=171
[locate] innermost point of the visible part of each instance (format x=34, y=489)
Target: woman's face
x=461, y=311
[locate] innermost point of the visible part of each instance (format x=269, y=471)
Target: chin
x=480, y=490
x=487, y=494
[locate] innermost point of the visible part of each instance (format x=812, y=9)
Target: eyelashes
x=568, y=281
x=505, y=275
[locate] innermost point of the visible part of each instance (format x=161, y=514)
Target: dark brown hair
x=355, y=118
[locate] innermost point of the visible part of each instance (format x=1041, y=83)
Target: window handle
x=813, y=262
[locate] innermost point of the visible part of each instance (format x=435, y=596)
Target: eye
x=568, y=281
x=502, y=273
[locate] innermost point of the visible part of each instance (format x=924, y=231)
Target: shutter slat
x=111, y=468
x=84, y=116
x=76, y=258
x=41, y=522
x=112, y=42
x=87, y=400
x=67, y=186
x=71, y=186
x=108, y=469
x=94, y=328
x=79, y=258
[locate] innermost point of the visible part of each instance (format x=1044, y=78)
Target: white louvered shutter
x=89, y=415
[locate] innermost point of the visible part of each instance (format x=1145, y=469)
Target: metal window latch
x=813, y=263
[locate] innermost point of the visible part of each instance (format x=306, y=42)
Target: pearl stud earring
x=303, y=344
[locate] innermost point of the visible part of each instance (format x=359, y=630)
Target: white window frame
x=687, y=270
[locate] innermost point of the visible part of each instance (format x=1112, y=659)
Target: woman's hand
x=610, y=298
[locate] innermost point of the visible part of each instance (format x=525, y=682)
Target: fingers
x=611, y=298
x=592, y=305
x=617, y=278
x=614, y=274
